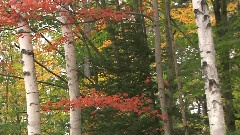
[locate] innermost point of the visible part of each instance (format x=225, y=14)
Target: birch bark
x=208, y=62
x=221, y=17
x=29, y=73
x=72, y=73
x=32, y=94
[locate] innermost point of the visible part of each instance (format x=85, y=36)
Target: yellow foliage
x=100, y=25
x=184, y=14
x=163, y=44
x=106, y=43
x=178, y=34
x=192, y=31
x=232, y=8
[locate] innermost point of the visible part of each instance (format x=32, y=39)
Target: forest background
x=115, y=55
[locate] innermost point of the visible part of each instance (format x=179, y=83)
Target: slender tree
x=220, y=11
x=158, y=59
x=72, y=71
x=208, y=62
x=32, y=94
x=87, y=29
x=172, y=63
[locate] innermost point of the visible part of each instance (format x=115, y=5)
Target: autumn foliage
x=100, y=100
x=40, y=10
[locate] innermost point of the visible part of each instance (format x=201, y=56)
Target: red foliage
x=12, y=11
x=100, y=100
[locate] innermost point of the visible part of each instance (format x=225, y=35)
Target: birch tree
x=158, y=59
x=221, y=17
x=208, y=62
x=29, y=73
x=32, y=94
x=72, y=72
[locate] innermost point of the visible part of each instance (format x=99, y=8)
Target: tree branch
x=48, y=83
x=41, y=65
x=176, y=26
x=90, y=43
x=49, y=42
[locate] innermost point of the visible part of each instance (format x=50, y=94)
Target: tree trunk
x=32, y=94
x=220, y=11
x=208, y=62
x=170, y=65
x=204, y=109
x=158, y=59
x=86, y=65
x=172, y=60
x=72, y=74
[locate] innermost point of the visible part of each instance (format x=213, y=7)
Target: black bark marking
x=32, y=92
x=212, y=82
x=26, y=73
x=197, y=11
x=35, y=133
x=208, y=25
x=204, y=64
x=208, y=51
x=203, y=3
x=21, y=31
x=22, y=62
x=205, y=17
x=204, y=71
x=27, y=52
x=33, y=104
x=214, y=102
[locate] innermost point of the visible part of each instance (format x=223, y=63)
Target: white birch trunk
x=210, y=76
x=32, y=94
x=72, y=74
x=158, y=59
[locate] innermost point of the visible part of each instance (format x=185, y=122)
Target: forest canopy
x=124, y=67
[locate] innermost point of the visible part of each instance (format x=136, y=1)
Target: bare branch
x=43, y=82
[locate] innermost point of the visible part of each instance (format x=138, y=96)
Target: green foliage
x=237, y=132
x=109, y=121
x=122, y=66
x=129, y=60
